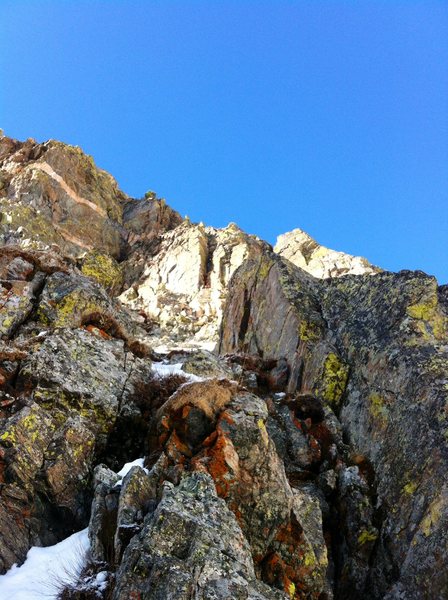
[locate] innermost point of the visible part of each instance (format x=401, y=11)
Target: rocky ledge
x=287, y=406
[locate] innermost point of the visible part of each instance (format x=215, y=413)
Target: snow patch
x=185, y=347
x=101, y=581
x=46, y=570
x=164, y=370
x=138, y=462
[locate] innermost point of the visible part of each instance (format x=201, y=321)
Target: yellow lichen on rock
x=104, y=269
x=432, y=516
x=377, y=407
x=292, y=590
x=71, y=306
x=264, y=269
x=429, y=317
x=334, y=380
x=8, y=437
x=309, y=331
x=410, y=487
x=367, y=536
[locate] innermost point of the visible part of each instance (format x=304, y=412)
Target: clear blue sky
x=331, y=116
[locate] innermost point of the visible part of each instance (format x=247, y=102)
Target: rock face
x=191, y=544
x=392, y=330
x=305, y=458
x=52, y=194
x=300, y=248
x=269, y=286
x=79, y=210
x=59, y=406
x=184, y=286
x=375, y=350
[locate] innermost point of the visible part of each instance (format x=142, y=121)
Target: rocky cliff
x=299, y=248
x=288, y=405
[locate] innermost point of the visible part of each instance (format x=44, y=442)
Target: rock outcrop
x=191, y=545
x=184, y=286
x=305, y=458
x=375, y=350
x=303, y=251
x=53, y=195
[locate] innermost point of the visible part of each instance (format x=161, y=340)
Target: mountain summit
x=282, y=412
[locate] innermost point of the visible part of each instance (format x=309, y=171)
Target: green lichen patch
x=292, y=590
x=75, y=300
x=28, y=433
x=104, y=269
x=334, y=380
x=410, y=488
x=366, y=536
x=432, y=516
x=8, y=438
x=265, y=267
x=423, y=311
x=430, y=319
x=72, y=308
x=377, y=407
x=35, y=226
x=309, y=331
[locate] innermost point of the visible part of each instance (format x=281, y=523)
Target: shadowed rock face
x=305, y=460
x=274, y=311
x=392, y=329
x=375, y=348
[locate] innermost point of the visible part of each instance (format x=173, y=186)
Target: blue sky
x=331, y=116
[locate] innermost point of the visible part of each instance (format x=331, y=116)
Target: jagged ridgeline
x=288, y=406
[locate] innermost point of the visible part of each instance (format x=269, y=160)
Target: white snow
x=186, y=347
x=138, y=462
x=46, y=570
x=101, y=581
x=162, y=349
x=163, y=370
x=210, y=346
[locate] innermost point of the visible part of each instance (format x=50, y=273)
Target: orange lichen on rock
x=222, y=463
x=276, y=573
x=289, y=565
x=98, y=331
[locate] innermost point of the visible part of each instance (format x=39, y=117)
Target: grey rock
x=103, y=516
x=206, y=364
x=374, y=348
x=137, y=495
x=191, y=544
